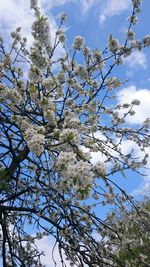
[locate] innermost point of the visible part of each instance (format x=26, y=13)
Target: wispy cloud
x=136, y=59
x=48, y=4
x=86, y=5
x=113, y=7
x=46, y=245
x=15, y=14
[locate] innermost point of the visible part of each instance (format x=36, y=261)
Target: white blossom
x=100, y=168
x=113, y=82
x=113, y=44
x=146, y=40
x=135, y=102
x=82, y=72
x=62, y=38
x=78, y=42
x=36, y=144
x=70, y=136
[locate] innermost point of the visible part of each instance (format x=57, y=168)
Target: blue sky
x=95, y=20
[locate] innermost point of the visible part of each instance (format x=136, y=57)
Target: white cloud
x=136, y=59
x=15, y=14
x=87, y=4
x=46, y=245
x=48, y=4
x=142, y=112
x=129, y=93
x=144, y=187
x=112, y=8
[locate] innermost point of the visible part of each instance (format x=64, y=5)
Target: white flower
x=78, y=42
x=81, y=173
x=112, y=83
x=100, y=168
x=34, y=74
x=41, y=31
x=63, y=16
x=22, y=123
x=135, y=102
x=50, y=116
x=72, y=121
x=38, y=59
x=16, y=35
x=33, y=130
x=33, y=3
x=110, y=198
x=64, y=158
x=146, y=40
x=98, y=55
x=130, y=35
x=29, y=133
x=36, y=144
x=7, y=60
x=61, y=76
x=136, y=44
x=86, y=51
x=146, y=123
x=34, y=135
x=62, y=38
x=70, y=136
x=113, y=44
x=136, y=3
x=46, y=103
x=12, y=95
x=82, y=72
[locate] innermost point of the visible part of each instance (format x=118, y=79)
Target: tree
x=134, y=229
x=51, y=120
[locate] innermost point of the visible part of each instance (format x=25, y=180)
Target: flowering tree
x=52, y=120
x=134, y=228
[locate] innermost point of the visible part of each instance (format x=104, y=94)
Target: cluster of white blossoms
x=64, y=158
x=41, y=31
x=135, y=102
x=80, y=173
x=37, y=58
x=36, y=144
x=12, y=96
x=34, y=135
x=100, y=169
x=70, y=136
x=33, y=3
x=136, y=3
x=113, y=44
x=22, y=122
x=81, y=72
x=16, y=35
x=146, y=40
x=35, y=138
x=78, y=42
x=72, y=121
x=34, y=74
x=113, y=82
x=76, y=172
